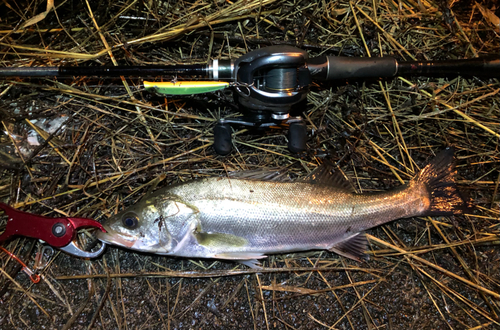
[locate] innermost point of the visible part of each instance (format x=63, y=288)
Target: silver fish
x=243, y=219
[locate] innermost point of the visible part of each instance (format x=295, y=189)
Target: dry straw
x=90, y=147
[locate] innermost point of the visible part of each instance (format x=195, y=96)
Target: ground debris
x=89, y=147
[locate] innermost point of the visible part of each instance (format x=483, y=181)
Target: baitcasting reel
x=267, y=83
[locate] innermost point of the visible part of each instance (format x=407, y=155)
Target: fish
x=246, y=217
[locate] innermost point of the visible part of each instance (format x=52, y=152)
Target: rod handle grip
x=342, y=67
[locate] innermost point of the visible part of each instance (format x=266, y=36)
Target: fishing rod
x=267, y=83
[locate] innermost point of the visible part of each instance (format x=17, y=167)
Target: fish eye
x=130, y=220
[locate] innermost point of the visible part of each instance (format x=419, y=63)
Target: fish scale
x=293, y=216
x=245, y=219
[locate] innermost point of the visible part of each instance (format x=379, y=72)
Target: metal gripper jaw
x=57, y=232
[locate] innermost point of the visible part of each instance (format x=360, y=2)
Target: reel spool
x=269, y=82
x=273, y=79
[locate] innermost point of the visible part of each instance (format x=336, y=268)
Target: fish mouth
x=114, y=238
x=131, y=242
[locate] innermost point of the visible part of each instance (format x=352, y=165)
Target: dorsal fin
x=269, y=174
x=326, y=174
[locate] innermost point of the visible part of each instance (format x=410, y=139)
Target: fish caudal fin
x=438, y=177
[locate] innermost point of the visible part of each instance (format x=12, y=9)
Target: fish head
x=141, y=227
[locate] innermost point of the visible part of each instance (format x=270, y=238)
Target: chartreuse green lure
x=184, y=87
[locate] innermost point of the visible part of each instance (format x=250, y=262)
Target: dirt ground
x=89, y=147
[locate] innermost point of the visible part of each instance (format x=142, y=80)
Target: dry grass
x=90, y=147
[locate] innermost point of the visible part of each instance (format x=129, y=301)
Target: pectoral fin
x=220, y=240
x=352, y=248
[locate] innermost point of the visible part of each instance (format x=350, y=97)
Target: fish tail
x=439, y=179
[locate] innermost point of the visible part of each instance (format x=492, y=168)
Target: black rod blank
x=41, y=71
x=321, y=68
x=143, y=71
x=107, y=71
x=479, y=67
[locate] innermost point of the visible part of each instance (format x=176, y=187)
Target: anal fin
x=353, y=247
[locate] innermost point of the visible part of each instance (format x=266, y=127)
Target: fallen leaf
x=489, y=16
x=39, y=17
